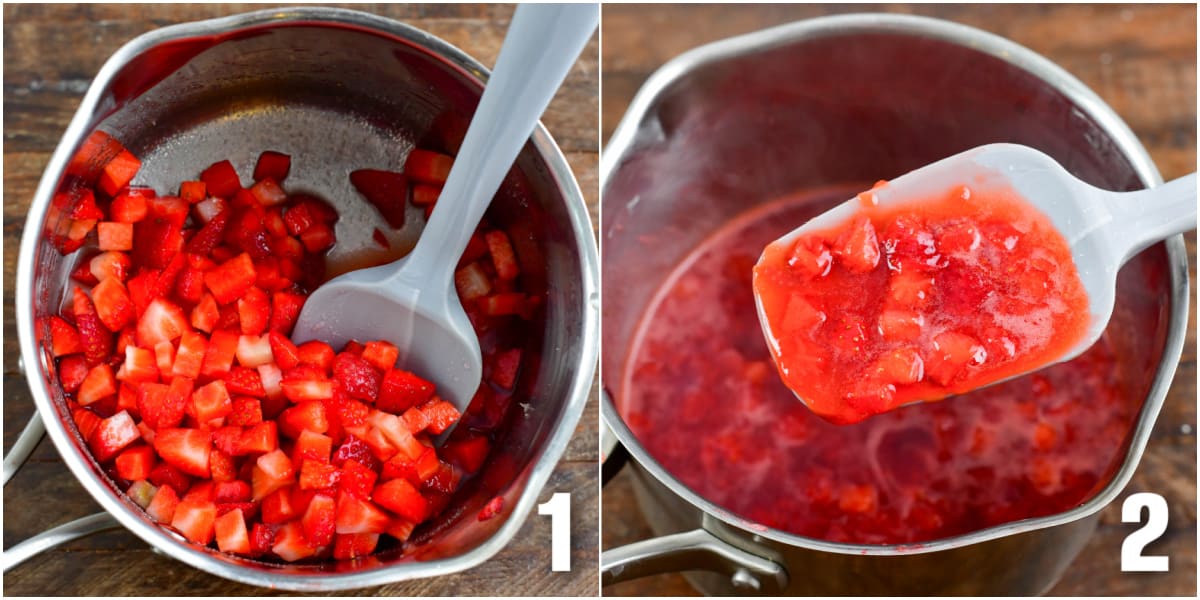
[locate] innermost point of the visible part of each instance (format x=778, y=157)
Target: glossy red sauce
x=919, y=301
x=701, y=394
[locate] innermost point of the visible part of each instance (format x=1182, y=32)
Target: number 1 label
x=559, y=509
x=1156, y=524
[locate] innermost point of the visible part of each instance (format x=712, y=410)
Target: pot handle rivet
x=744, y=581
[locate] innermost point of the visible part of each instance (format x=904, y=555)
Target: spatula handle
x=1145, y=217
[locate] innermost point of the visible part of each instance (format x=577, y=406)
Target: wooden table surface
x=1142, y=61
x=51, y=53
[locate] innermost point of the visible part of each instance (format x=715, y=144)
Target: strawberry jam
x=700, y=393
x=918, y=301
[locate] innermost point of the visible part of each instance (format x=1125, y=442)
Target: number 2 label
x=1156, y=524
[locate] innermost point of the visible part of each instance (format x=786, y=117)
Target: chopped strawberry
x=502, y=255
x=401, y=528
x=113, y=306
x=468, y=453
x=245, y=411
x=354, y=449
x=357, y=376
x=96, y=151
x=193, y=192
x=277, y=507
x=222, y=348
x=318, y=238
x=118, y=172
x=505, y=367
x=472, y=282
x=354, y=545
x=356, y=479
x=381, y=355
x=424, y=194
x=231, y=491
x=811, y=257
x=130, y=205
x=952, y=353
x=254, y=311
x=285, y=309
x=221, y=466
x=259, y=439
x=211, y=401
x=272, y=165
x=439, y=415
x=358, y=515
x=272, y=471
x=285, y=353
x=428, y=167
x=221, y=179
x=206, y=313
x=112, y=435
x=72, y=370
x=858, y=248
x=162, y=321
x=900, y=324
x=195, y=519
x=98, y=384
x=400, y=497
x=86, y=421
x=135, y=463
x=316, y=353
x=230, y=529
x=189, y=286
x=186, y=449
x=139, y=366
x=253, y=350
x=97, y=339
x=114, y=236
x=64, y=338
x=159, y=236
x=397, y=434
x=305, y=415
x=230, y=280
x=106, y=265
x=162, y=507
x=290, y=543
x=245, y=381
x=317, y=475
x=210, y=235
x=386, y=190
x=261, y=539
x=901, y=366
x=401, y=390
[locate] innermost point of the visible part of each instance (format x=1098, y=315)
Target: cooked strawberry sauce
x=700, y=392
x=918, y=301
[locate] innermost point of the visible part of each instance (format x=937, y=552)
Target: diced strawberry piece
x=444, y=482
x=195, y=520
x=114, y=236
x=318, y=238
x=162, y=507
x=113, y=306
x=354, y=449
x=190, y=356
x=440, y=415
x=357, y=376
x=162, y=321
x=119, y=172
x=901, y=366
x=130, y=206
x=285, y=309
x=135, y=463
x=186, y=449
x=221, y=179
x=900, y=324
x=261, y=539
x=316, y=353
x=211, y=401
x=64, y=339
x=298, y=218
x=268, y=192
x=127, y=398
x=272, y=471
x=397, y=434
x=254, y=311
x=317, y=475
x=309, y=414
x=401, y=390
x=222, y=348
x=290, y=543
x=154, y=407
x=164, y=474
x=312, y=446
x=381, y=448
x=424, y=194
x=230, y=529
x=272, y=165
x=259, y=439
x=505, y=367
x=800, y=317
x=277, y=507
x=502, y=255
x=468, y=453
x=858, y=247
x=193, y=192
x=386, y=190
x=415, y=420
x=245, y=411
x=210, y=235
x=98, y=384
x=491, y=509
x=127, y=337
x=909, y=289
x=221, y=466
x=112, y=435
x=428, y=167
x=285, y=353
x=952, y=352
x=97, y=339
x=228, y=439
x=354, y=545
x=253, y=350
x=115, y=265
x=206, y=313
x=96, y=151
x=400, y=497
x=83, y=272
x=381, y=355
x=245, y=381
x=356, y=479
x=472, y=282
x=86, y=422
x=159, y=237
x=357, y=515
x=230, y=280
x=139, y=366
x=189, y=286
x=427, y=465
x=811, y=257
x=234, y=491
x=401, y=528
x=72, y=370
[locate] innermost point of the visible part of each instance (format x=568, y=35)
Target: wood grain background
x=1141, y=59
x=51, y=53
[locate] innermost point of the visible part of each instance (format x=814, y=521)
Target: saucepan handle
x=33, y=433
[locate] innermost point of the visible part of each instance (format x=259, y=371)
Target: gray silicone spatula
x=1103, y=229
x=412, y=302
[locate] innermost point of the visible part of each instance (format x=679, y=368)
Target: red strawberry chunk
x=355, y=545
x=397, y=434
x=245, y=411
x=221, y=179
x=72, y=370
x=254, y=311
x=230, y=280
x=468, y=453
x=158, y=238
x=401, y=390
x=193, y=192
x=97, y=385
x=162, y=321
x=285, y=353
x=272, y=471
x=424, y=194
x=386, y=190
x=306, y=415
x=277, y=507
x=206, y=313
x=259, y=439
x=400, y=497
x=357, y=376
x=113, y=306
x=285, y=309
x=190, y=355
x=230, y=529
x=135, y=463
x=64, y=339
x=505, y=367
x=356, y=479
x=139, y=366
x=290, y=543
x=439, y=415
x=130, y=205
x=428, y=167
x=261, y=539
x=114, y=236
x=118, y=172
x=97, y=339
x=502, y=255
x=357, y=515
x=210, y=235
x=472, y=282
x=112, y=435
x=162, y=507
x=164, y=474
x=354, y=449
x=312, y=446
x=221, y=466
x=235, y=491
x=858, y=248
x=109, y=265
x=268, y=192
x=317, y=475
x=211, y=401
x=381, y=355
x=306, y=390
x=491, y=509
x=272, y=165
x=186, y=449
x=218, y=359
x=401, y=528
x=316, y=353
x=195, y=519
